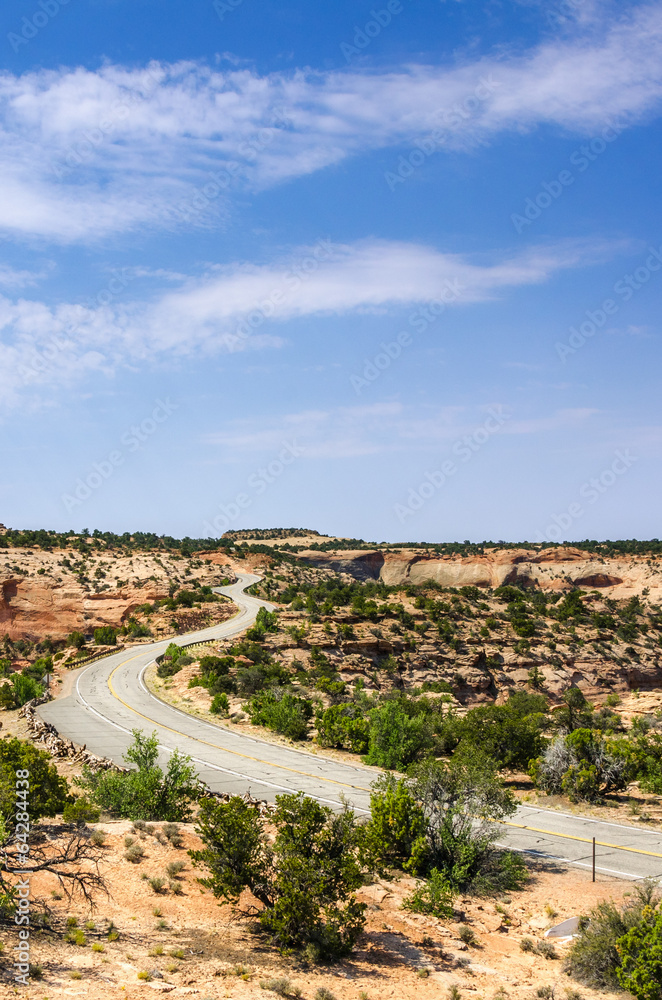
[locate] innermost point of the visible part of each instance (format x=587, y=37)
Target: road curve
x=110, y=699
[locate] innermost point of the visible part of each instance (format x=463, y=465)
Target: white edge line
x=569, y=861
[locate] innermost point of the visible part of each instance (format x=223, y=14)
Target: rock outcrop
x=557, y=569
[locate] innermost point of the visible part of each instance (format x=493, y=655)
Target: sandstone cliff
x=54, y=593
x=557, y=569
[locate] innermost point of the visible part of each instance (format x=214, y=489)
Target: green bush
x=256, y=678
x=594, y=958
x=510, y=733
x=136, y=630
x=222, y=685
x=146, y=793
x=172, y=661
x=49, y=792
x=395, y=835
x=445, y=818
x=216, y=666
x=397, y=739
x=220, y=705
x=305, y=879
x=640, y=951
x=81, y=811
x=251, y=650
x=433, y=897
x=76, y=639
x=265, y=622
x=643, y=752
x=582, y=765
x=36, y=670
x=284, y=713
x=344, y=727
x=19, y=691
x=105, y=636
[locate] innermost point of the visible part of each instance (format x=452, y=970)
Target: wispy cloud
x=85, y=154
x=353, y=431
x=243, y=306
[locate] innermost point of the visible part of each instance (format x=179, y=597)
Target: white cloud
x=85, y=154
x=10, y=277
x=241, y=307
x=353, y=431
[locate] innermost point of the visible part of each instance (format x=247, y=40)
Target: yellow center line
x=584, y=840
x=236, y=753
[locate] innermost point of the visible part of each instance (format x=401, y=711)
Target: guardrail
x=75, y=663
x=187, y=645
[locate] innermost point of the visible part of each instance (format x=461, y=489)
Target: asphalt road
x=110, y=699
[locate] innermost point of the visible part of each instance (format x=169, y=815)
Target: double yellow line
x=235, y=753
x=584, y=840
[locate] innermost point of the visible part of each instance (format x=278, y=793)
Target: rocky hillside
x=52, y=593
x=477, y=642
x=554, y=569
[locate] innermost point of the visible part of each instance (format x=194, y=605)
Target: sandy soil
x=191, y=945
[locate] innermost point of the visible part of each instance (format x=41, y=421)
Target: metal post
x=594, y=859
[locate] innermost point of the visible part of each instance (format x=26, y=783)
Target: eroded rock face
x=47, y=598
x=31, y=610
x=550, y=569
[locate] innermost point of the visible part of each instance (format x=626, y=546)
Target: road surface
x=110, y=699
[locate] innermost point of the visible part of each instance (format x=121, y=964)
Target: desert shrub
x=581, y=765
x=76, y=639
x=173, y=868
x=220, y=705
x=81, y=811
x=281, y=985
x=305, y=879
x=642, y=749
x=49, y=792
x=216, y=666
x=36, y=670
x=458, y=806
x=19, y=691
x=135, y=853
x=510, y=733
x=467, y=935
x=148, y=792
x=284, y=713
x=640, y=952
x=172, y=661
x=433, y=897
x=343, y=726
x=250, y=680
x=546, y=949
x=266, y=621
x=395, y=835
x=594, y=958
x=261, y=675
x=251, y=650
x=105, y=636
x=136, y=630
x=168, y=668
x=397, y=738
x=575, y=713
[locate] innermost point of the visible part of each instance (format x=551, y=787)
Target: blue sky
x=390, y=271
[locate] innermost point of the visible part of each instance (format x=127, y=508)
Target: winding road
x=110, y=699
